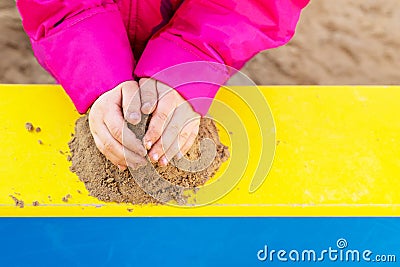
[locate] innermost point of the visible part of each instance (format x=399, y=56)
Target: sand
x=337, y=42
x=106, y=182
x=17, y=64
x=18, y=202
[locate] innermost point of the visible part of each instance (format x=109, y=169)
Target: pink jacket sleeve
x=213, y=33
x=83, y=44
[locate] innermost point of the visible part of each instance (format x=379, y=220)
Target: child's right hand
x=106, y=121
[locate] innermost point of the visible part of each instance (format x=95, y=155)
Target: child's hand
x=174, y=124
x=107, y=124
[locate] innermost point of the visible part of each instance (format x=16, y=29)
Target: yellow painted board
x=337, y=154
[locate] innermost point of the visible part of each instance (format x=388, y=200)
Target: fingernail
x=164, y=161
x=179, y=155
x=146, y=106
x=148, y=145
x=155, y=157
x=134, y=116
x=143, y=151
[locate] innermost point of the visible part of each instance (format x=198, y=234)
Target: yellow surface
x=337, y=154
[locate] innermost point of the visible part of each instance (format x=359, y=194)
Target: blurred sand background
x=337, y=42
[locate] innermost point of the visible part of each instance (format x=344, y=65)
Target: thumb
x=131, y=102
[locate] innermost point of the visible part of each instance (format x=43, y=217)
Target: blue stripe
x=189, y=241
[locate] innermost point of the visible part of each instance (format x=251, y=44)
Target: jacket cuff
x=88, y=55
x=196, y=76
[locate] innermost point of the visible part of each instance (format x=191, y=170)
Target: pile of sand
x=104, y=180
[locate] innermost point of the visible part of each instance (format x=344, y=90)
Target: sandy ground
x=337, y=42
x=17, y=63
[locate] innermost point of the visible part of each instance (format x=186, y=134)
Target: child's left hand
x=174, y=125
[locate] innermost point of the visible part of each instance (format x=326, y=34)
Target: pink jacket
x=90, y=46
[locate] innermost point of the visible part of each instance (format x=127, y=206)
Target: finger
x=148, y=95
x=131, y=142
x=177, y=131
x=96, y=130
x=109, y=155
x=114, y=150
x=168, y=139
x=131, y=102
x=186, y=145
x=120, y=132
x=178, y=143
x=159, y=121
x=114, y=130
x=163, y=89
x=114, y=122
x=182, y=114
